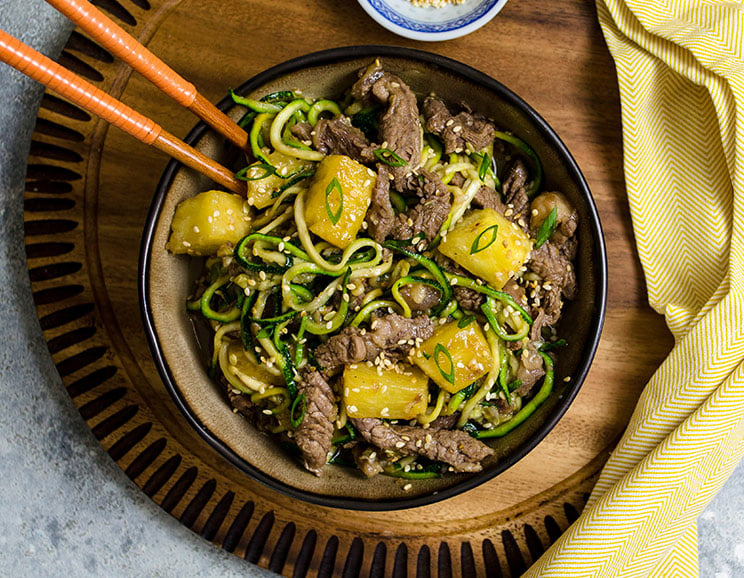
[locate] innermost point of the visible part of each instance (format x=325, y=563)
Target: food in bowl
x=386, y=295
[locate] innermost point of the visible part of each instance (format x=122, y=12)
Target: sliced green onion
x=295, y=416
x=447, y=375
x=268, y=169
x=550, y=345
x=476, y=247
x=389, y=157
x=334, y=185
x=462, y=395
x=485, y=164
x=464, y=321
x=547, y=228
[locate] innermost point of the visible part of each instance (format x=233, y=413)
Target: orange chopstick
x=67, y=84
x=119, y=42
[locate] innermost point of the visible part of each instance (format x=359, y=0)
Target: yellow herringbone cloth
x=681, y=77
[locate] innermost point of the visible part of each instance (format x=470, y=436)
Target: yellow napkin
x=681, y=77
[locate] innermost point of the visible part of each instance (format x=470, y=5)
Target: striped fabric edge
x=665, y=471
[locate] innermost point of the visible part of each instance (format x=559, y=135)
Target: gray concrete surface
x=65, y=507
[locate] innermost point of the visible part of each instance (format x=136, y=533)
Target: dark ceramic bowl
x=165, y=282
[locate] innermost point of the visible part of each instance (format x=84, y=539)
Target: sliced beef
x=367, y=460
x=432, y=209
x=346, y=347
x=487, y=198
x=458, y=130
x=514, y=189
x=399, y=125
x=314, y=434
x=424, y=219
x=468, y=299
x=303, y=131
x=453, y=447
x=390, y=334
x=558, y=282
x=389, y=331
x=336, y=136
x=381, y=217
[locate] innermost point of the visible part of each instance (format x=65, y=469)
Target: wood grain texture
x=83, y=263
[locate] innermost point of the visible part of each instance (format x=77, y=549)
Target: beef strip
x=303, y=131
x=424, y=219
x=459, y=130
x=514, y=189
x=367, y=460
x=336, y=136
x=487, y=198
x=380, y=217
x=453, y=447
x=399, y=126
x=354, y=345
x=314, y=434
x=431, y=211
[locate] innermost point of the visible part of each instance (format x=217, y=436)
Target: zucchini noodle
x=313, y=274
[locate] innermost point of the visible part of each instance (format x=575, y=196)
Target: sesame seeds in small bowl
x=432, y=20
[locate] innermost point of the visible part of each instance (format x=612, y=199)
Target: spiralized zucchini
x=288, y=286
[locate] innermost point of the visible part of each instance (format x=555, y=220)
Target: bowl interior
x=179, y=350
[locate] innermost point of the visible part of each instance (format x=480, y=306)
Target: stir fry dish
x=386, y=296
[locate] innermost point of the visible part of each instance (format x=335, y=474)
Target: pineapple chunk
x=202, y=224
x=453, y=357
x=338, y=199
x=259, y=192
x=471, y=244
x=388, y=394
x=254, y=375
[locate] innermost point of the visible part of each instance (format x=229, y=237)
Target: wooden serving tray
x=87, y=195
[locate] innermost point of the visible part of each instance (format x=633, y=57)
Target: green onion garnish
x=450, y=375
x=484, y=166
x=476, y=247
x=268, y=170
x=389, y=157
x=465, y=321
x=334, y=185
x=547, y=228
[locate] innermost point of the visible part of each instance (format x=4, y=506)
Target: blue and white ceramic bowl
x=432, y=23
